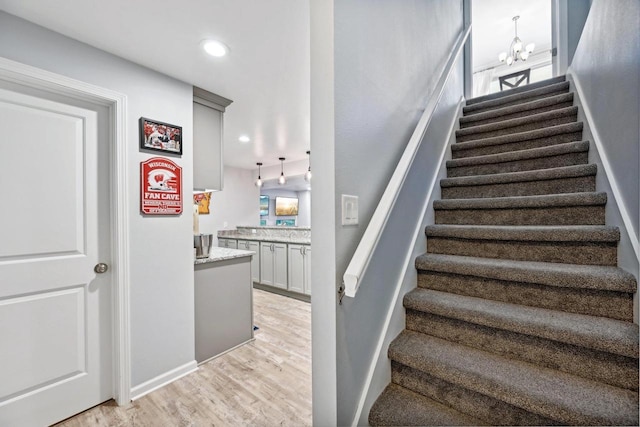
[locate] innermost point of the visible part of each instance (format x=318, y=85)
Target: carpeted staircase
x=521, y=316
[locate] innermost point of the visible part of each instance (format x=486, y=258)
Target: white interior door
x=55, y=311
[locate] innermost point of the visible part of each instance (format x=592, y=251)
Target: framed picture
x=264, y=205
x=286, y=206
x=159, y=136
x=202, y=200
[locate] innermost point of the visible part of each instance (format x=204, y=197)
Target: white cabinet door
x=266, y=263
x=307, y=270
x=296, y=268
x=280, y=265
x=250, y=245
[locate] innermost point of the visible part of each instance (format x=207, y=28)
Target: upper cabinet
x=208, y=149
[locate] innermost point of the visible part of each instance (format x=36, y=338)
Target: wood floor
x=264, y=383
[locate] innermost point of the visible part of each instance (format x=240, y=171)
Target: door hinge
x=341, y=293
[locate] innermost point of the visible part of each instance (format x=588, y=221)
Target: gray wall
x=388, y=58
x=303, y=219
x=237, y=204
x=607, y=66
x=162, y=329
x=577, y=12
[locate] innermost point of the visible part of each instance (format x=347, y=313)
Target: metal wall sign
x=160, y=187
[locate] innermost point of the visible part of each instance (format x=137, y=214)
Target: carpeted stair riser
x=612, y=369
x=571, y=132
x=531, y=188
x=508, y=92
x=517, y=111
x=573, y=153
x=398, y=406
x=549, y=393
x=571, y=215
x=593, y=253
x=602, y=303
x=488, y=409
x=508, y=101
x=524, y=124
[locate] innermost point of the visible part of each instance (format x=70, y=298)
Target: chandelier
x=516, y=52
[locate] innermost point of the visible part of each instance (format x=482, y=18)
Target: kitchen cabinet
x=273, y=264
x=251, y=245
x=228, y=243
x=299, y=269
x=208, y=114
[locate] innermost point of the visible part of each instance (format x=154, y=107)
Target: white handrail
x=371, y=236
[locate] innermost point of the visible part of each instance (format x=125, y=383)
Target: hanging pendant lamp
x=259, y=180
x=517, y=50
x=307, y=175
x=282, y=180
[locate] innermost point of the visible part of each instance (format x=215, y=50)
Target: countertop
x=221, y=254
x=275, y=239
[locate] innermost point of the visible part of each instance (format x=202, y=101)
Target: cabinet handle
x=301, y=250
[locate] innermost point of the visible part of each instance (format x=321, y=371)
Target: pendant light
x=517, y=50
x=282, y=180
x=307, y=175
x=259, y=180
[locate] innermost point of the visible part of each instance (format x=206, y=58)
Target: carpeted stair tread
x=526, y=176
x=519, y=89
x=543, y=273
x=398, y=406
x=524, y=96
x=514, y=156
x=543, y=201
x=596, y=333
x=519, y=109
x=554, y=394
x=551, y=131
x=533, y=233
x=506, y=125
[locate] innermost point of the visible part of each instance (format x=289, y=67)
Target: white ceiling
x=266, y=73
x=493, y=27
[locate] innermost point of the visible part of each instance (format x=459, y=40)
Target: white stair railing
x=361, y=257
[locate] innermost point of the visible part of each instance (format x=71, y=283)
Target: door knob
x=100, y=268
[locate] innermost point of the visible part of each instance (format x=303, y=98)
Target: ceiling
x=266, y=73
x=493, y=28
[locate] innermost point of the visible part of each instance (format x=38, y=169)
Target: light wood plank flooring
x=264, y=383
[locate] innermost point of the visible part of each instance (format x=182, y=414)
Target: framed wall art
x=160, y=136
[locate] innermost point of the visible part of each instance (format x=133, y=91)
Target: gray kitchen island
x=223, y=302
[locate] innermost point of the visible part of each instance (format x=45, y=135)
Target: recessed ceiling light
x=215, y=48
x=244, y=138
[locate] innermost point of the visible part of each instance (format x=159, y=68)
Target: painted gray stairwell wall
x=607, y=65
x=161, y=248
x=388, y=58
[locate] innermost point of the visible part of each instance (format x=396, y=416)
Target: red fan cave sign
x=160, y=187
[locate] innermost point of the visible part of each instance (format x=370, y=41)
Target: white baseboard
x=161, y=380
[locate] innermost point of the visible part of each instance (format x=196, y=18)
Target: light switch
x=349, y=210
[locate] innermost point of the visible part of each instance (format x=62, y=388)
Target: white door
x=55, y=311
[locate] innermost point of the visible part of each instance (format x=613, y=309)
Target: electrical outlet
x=349, y=210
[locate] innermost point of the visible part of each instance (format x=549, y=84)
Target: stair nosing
x=519, y=121
x=532, y=233
x=525, y=202
x=543, y=90
x=526, y=154
x=596, y=333
x=561, y=275
x=519, y=108
x=546, y=132
x=520, y=89
x=561, y=172
x=554, y=394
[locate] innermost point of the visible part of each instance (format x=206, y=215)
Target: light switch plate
x=349, y=210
